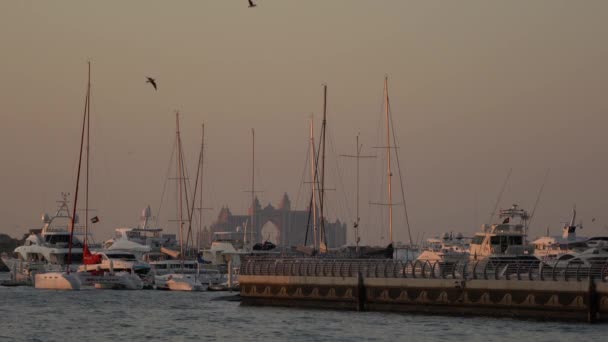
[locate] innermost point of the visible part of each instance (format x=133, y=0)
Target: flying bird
x=251, y=4
x=151, y=81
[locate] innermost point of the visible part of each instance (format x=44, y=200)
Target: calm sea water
x=27, y=314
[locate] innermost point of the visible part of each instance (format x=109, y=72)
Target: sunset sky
x=476, y=88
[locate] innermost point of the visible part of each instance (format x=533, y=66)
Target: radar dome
x=146, y=212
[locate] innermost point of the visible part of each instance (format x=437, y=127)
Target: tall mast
x=251, y=229
x=388, y=157
x=86, y=106
x=200, y=213
x=357, y=156
x=314, y=181
x=88, y=118
x=179, y=161
x=322, y=242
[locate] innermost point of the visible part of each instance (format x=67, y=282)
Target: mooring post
x=361, y=295
x=592, y=302
x=230, y=275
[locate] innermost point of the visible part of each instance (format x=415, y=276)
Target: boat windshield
x=477, y=239
x=57, y=238
x=122, y=256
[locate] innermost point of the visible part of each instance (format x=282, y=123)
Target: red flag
x=88, y=258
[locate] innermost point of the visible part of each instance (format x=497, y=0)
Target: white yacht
x=115, y=269
x=50, y=244
x=46, y=250
x=594, y=257
x=505, y=241
x=142, y=239
x=179, y=282
x=225, y=247
x=548, y=248
x=448, y=249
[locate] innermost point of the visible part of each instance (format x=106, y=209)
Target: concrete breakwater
x=522, y=289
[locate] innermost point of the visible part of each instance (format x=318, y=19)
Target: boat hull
x=57, y=281
x=178, y=282
x=117, y=281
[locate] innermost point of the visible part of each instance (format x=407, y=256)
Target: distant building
x=281, y=226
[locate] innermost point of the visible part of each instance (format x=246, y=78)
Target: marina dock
x=508, y=289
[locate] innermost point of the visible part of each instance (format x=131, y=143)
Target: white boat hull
x=178, y=282
x=57, y=281
x=117, y=281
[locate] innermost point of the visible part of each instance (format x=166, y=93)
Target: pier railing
x=499, y=269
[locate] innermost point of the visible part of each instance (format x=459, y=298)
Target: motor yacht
x=548, y=248
x=449, y=249
x=506, y=241
x=116, y=270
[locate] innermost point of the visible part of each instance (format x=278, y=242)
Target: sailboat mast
x=388, y=158
x=88, y=118
x=86, y=105
x=179, y=186
x=251, y=229
x=200, y=213
x=322, y=241
x=313, y=182
x=357, y=156
x=358, y=218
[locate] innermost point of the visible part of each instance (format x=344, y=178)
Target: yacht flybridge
x=49, y=245
x=505, y=240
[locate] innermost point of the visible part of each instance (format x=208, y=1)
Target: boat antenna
x=540, y=192
x=502, y=190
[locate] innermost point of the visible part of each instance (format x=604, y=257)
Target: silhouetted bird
x=152, y=82
x=251, y=4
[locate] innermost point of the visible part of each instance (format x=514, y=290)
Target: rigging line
x=186, y=184
x=308, y=220
x=324, y=131
x=540, y=192
x=502, y=190
x=339, y=173
x=302, y=181
x=162, y=196
x=316, y=178
x=191, y=213
x=407, y=220
x=376, y=190
x=88, y=151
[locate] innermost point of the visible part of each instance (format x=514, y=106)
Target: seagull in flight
x=151, y=81
x=251, y=4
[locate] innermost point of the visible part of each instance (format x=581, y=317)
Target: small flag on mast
x=95, y=219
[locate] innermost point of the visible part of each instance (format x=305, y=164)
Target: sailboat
x=318, y=185
x=67, y=280
x=178, y=279
x=389, y=251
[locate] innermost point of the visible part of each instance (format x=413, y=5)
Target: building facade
x=281, y=225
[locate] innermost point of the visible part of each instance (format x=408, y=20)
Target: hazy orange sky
x=477, y=88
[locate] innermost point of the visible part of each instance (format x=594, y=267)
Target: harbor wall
x=355, y=285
